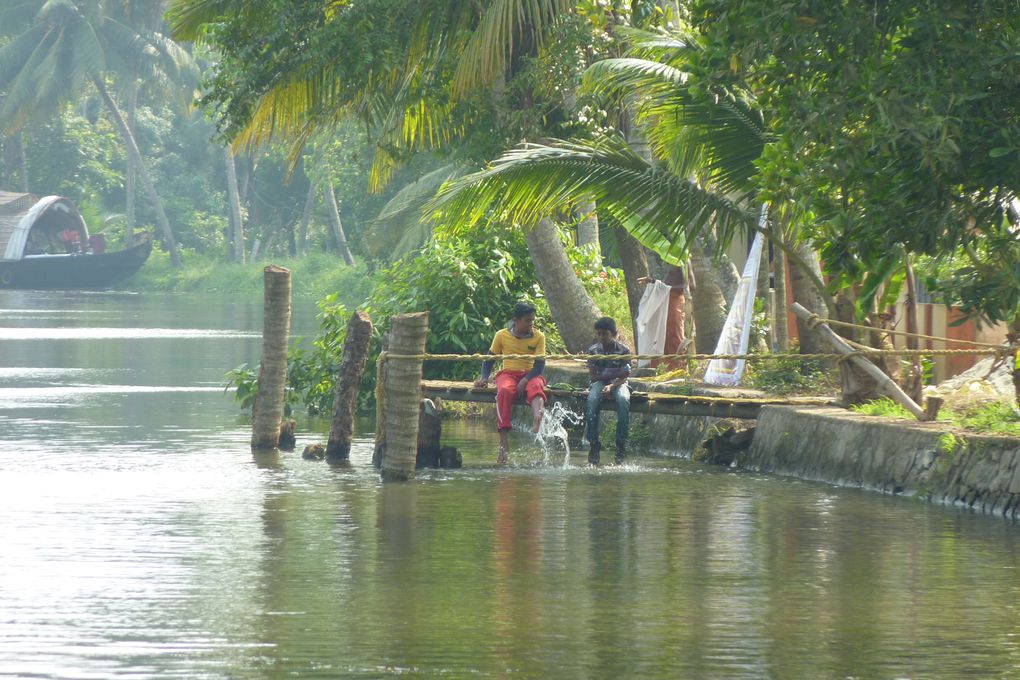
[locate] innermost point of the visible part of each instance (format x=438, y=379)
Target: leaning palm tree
x=69, y=44
x=699, y=179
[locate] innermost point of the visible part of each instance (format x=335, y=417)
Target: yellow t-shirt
x=506, y=343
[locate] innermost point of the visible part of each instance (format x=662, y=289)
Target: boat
x=44, y=243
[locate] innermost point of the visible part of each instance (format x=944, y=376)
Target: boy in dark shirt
x=608, y=377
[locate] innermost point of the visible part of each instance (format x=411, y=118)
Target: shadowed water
x=139, y=538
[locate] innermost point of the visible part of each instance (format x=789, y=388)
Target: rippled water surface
x=140, y=538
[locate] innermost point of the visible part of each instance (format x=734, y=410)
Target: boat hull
x=72, y=272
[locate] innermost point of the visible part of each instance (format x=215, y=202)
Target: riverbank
x=933, y=461
x=314, y=275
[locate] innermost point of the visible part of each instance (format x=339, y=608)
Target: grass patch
x=883, y=407
x=994, y=418
x=792, y=376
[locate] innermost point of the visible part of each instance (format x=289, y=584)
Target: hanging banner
x=736, y=332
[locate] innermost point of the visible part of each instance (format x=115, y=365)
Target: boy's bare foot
x=503, y=456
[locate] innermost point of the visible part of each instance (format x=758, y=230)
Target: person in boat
x=518, y=377
x=608, y=379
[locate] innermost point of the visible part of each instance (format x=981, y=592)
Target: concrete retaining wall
x=921, y=459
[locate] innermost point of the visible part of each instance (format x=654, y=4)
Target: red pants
x=506, y=394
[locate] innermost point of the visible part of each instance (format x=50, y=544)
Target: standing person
x=680, y=281
x=608, y=378
x=518, y=377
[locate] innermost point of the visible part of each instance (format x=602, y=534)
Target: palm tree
x=412, y=103
x=703, y=183
x=69, y=44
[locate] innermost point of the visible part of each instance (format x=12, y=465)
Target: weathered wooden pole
x=269, y=398
x=402, y=395
x=885, y=383
x=345, y=399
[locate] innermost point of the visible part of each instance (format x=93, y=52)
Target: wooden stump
x=272, y=382
x=287, y=437
x=345, y=399
x=402, y=395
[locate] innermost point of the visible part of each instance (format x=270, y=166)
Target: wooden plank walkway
x=640, y=402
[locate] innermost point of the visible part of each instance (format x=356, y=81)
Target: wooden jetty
x=640, y=401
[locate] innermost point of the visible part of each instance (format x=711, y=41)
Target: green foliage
x=991, y=418
x=468, y=284
x=889, y=125
x=310, y=372
x=792, y=376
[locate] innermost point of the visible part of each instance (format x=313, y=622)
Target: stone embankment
x=927, y=460
x=931, y=461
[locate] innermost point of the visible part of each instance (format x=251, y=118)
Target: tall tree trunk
x=22, y=161
x=234, y=199
x=338, y=227
x=806, y=293
x=306, y=217
x=129, y=141
x=635, y=266
x=588, y=227
x=130, y=216
x=709, y=303
x=913, y=387
x=267, y=412
x=782, y=320
x=6, y=163
x=573, y=310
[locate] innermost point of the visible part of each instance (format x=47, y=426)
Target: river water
x=139, y=538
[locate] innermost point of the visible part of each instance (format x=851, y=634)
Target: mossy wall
x=925, y=460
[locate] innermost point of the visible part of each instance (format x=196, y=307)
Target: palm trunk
x=234, y=199
x=345, y=398
x=709, y=303
x=306, y=217
x=588, y=227
x=573, y=310
x=805, y=292
x=267, y=413
x=635, y=266
x=129, y=141
x=402, y=395
x=22, y=161
x=338, y=227
x=782, y=320
x=130, y=178
x=913, y=388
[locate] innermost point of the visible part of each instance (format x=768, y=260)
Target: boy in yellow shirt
x=518, y=377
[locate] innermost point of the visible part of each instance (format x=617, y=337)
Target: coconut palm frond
x=491, y=47
x=661, y=209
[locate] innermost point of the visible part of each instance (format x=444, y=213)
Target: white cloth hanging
x=651, y=321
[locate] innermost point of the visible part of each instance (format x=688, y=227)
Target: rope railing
x=996, y=351
x=814, y=320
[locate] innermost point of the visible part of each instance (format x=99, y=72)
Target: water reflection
x=141, y=538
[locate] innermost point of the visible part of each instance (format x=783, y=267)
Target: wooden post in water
x=345, y=399
x=269, y=398
x=885, y=383
x=402, y=395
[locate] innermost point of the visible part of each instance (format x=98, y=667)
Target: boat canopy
x=30, y=225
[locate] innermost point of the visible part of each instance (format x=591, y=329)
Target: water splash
x=552, y=434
